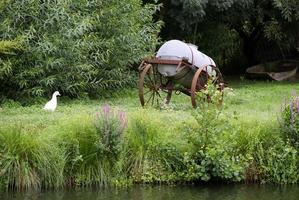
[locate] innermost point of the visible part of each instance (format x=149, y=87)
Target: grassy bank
x=252, y=100
x=81, y=144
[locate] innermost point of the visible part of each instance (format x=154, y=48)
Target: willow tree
x=76, y=46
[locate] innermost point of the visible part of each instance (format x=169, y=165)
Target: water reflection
x=210, y=192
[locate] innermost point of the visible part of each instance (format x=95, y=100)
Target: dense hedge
x=77, y=47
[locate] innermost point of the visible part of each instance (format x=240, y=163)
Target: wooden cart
x=159, y=78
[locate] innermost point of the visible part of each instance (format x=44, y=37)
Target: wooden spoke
x=152, y=90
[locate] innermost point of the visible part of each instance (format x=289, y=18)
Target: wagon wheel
x=218, y=79
x=153, y=88
x=201, y=78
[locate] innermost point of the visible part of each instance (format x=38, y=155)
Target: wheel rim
x=201, y=78
x=196, y=86
x=152, y=90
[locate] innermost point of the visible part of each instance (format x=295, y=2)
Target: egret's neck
x=54, y=97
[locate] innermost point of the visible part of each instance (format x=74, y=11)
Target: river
x=206, y=192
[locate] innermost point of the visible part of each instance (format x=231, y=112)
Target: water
x=210, y=192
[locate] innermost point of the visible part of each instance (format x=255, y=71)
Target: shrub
x=278, y=163
x=269, y=158
x=77, y=136
x=76, y=46
x=212, y=155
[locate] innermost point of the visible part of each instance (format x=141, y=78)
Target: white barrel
x=177, y=50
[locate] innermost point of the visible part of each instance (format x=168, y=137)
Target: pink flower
x=106, y=109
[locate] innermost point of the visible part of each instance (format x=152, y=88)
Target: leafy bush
x=220, y=43
x=10, y=47
x=212, y=155
x=76, y=46
x=279, y=164
x=269, y=158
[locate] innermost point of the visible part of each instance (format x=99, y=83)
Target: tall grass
x=92, y=146
x=149, y=155
x=29, y=161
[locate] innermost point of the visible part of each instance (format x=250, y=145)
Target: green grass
x=44, y=149
x=252, y=101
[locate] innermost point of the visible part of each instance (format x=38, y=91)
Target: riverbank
x=88, y=143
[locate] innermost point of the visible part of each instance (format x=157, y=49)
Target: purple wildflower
x=106, y=109
x=291, y=112
x=122, y=119
x=110, y=125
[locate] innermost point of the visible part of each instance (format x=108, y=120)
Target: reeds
x=29, y=161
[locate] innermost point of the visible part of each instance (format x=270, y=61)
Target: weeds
x=289, y=120
x=29, y=161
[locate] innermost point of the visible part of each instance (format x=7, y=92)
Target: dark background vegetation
x=236, y=33
x=91, y=48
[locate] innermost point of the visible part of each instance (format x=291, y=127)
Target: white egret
x=52, y=104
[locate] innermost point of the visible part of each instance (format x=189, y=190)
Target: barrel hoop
x=192, y=59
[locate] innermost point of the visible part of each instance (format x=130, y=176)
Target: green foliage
x=3, y=4
x=10, y=47
x=142, y=134
x=278, y=163
x=268, y=157
x=289, y=8
x=289, y=120
x=145, y=140
x=211, y=143
x=213, y=154
x=220, y=42
x=188, y=13
x=110, y=127
x=75, y=47
x=86, y=164
x=257, y=31
x=92, y=146
x=28, y=160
